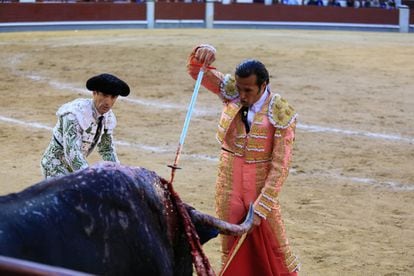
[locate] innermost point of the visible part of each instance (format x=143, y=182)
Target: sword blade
x=186, y=123
x=191, y=106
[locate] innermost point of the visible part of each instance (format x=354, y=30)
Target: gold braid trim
x=229, y=112
x=292, y=263
x=267, y=201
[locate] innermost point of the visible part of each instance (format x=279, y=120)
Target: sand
x=348, y=202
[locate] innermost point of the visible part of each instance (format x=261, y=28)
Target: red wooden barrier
x=284, y=13
x=41, y=12
x=92, y=11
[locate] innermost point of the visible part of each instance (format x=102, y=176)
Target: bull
x=107, y=219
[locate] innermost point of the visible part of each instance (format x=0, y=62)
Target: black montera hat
x=108, y=84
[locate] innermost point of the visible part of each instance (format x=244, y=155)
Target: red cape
x=258, y=255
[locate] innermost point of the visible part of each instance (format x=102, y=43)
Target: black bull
x=107, y=219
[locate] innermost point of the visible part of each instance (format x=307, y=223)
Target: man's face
x=103, y=102
x=248, y=90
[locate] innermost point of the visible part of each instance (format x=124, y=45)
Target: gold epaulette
x=228, y=88
x=281, y=114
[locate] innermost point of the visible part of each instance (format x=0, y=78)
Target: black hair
x=253, y=67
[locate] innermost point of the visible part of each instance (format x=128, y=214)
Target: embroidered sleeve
x=106, y=148
x=279, y=170
x=72, y=142
x=213, y=80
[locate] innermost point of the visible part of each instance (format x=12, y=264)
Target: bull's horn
x=223, y=226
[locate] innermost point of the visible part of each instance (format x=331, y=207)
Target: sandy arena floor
x=348, y=202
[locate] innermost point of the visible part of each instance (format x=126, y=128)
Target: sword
x=186, y=123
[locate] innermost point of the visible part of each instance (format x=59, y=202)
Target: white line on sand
x=144, y=102
x=395, y=186
x=205, y=111
x=385, y=184
x=143, y=147
x=373, y=135
x=23, y=123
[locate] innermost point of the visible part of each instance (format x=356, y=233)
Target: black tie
x=244, y=111
x=98, y=131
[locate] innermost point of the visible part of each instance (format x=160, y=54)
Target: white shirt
x=254, y=108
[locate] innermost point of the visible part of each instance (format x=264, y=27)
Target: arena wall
x=93, y=11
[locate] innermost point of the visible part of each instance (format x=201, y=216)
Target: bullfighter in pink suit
x=256, y=132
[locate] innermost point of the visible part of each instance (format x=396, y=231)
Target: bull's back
x=106, y=219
